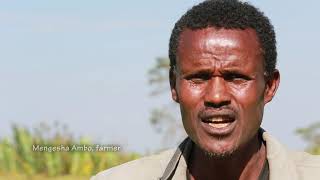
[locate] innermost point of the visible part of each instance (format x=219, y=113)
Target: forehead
x=221, y=42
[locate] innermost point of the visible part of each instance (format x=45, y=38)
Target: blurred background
x=96, y=72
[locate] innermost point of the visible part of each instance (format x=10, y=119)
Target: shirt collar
x=177, y=166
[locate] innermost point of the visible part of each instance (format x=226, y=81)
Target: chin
x=220, y=155
x=219, y=150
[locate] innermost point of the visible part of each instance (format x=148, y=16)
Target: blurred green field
x=40, y=177
x=18, y=159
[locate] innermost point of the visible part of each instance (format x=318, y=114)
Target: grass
x=18, y=159
x=40, y=177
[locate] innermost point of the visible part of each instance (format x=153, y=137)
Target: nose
x=217, y=94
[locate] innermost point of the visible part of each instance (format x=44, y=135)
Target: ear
x=272, y=84
x=172, y=78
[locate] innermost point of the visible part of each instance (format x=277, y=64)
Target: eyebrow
x=234, y=69
x=238, y=71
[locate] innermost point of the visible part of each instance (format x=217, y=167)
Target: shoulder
x=306, y=164
x=305, y=159
x=300, y=165
x=299, y=158
x=149, y=167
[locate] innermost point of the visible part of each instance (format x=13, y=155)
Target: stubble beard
x=220, y=155
x=236, y=150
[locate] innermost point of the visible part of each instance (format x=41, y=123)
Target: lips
x=218, y=122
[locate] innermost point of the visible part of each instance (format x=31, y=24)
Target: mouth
x=219, y=124
x=219, y=121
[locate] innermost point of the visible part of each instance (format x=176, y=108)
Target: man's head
x=228, y=14
x=223, y=56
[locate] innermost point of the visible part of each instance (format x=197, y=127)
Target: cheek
x=190, y=100
x=250, y=103
x=189, y=95
x=250, y=95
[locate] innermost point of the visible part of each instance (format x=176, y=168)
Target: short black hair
x=228, y=14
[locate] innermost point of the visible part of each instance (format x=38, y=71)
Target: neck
x=246, y=163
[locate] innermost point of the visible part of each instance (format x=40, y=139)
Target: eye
x=236, y=78
x=199, y=78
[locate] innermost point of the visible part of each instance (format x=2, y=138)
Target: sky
x=85, y=65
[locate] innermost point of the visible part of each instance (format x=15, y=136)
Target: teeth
x=216, y=119
x=219, y=125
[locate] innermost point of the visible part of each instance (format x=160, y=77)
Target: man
x=223, y=72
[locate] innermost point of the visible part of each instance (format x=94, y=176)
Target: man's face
x=220, y=85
